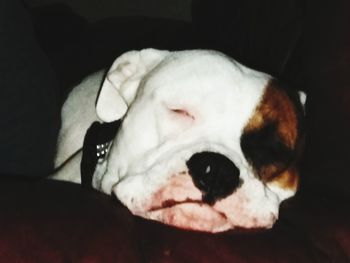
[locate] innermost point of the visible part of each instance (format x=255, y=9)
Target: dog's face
x=205, y=143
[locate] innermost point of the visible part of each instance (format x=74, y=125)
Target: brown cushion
x=52, y=221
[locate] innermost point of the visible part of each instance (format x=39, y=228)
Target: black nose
x=214, y=174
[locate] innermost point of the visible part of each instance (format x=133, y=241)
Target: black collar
x=96, y=145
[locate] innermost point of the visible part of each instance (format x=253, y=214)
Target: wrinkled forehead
x=205, y=74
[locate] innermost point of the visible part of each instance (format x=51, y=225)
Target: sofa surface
x=47, y=221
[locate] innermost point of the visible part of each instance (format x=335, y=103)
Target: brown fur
x=277, y=107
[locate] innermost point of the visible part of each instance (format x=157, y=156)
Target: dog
x=204, y=142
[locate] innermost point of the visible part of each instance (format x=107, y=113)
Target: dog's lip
x=189, y=214
x=170, y=203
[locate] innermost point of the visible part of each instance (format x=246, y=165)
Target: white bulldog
x=205, y=143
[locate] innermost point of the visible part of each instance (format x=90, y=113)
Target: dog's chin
x=179, y=203
x=198, y=216
x=190, y=215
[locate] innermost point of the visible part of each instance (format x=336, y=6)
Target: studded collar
x=97, y=142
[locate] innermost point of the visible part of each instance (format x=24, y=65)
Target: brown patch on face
x=276, y=107
x=271, y=139
x=278, y=175
x=270, y=172
x=288, y=179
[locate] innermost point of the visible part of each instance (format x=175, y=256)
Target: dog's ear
x=121, y=83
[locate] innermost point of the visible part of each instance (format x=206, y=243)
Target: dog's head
x=205, y=143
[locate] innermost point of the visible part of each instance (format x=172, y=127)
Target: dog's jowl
x=204, y=143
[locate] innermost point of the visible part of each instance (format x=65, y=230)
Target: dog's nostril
x=214, y=174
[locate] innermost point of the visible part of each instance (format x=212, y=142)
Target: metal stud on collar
x=102, y=150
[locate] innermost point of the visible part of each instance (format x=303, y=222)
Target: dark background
x=306, y=43
x=94, y=10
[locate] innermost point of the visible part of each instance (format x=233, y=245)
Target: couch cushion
x=50, y=221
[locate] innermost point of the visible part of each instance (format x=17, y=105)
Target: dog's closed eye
x=183, y=113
